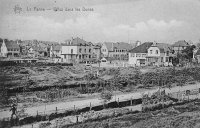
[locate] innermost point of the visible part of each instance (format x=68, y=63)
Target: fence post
x=90, y=106
x=77, y=119
x=118, y=101
x=131, y=101
x=74, y=108
x=56, y=110
x=56, y=123
x=177, y=97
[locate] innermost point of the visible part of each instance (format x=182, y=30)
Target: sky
x=164, y=21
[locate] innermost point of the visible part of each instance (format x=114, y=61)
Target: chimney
x=138, y=43
x=154, y=43
x=112, y=46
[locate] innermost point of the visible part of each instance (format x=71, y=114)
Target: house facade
x=77, y=50
x=116, y=51
x=9, y=49
x=159, y=54
x=137, y=55
x=36, y=51
x=55, y=51
x=179, y=46
x=197, y=55
x=96, y=56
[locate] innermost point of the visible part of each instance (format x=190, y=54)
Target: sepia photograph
x=99, y=63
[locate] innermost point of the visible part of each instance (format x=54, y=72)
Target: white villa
x=137, y=55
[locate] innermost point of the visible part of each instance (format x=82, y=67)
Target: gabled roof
x=198, y=52
x=162, y=46
x=1, y=44
x=77, y=42
x=141, y=48
x=118, y=45
x=181, y=43
x=56, y=47
x=12, y=44
x=37, y=48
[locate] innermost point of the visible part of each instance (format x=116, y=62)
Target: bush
x=106, y=96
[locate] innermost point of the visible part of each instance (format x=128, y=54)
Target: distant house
x=198, y=55
x=96, y=52
x=9, y=49
x=55, y=53
x=159, y=54
x=117, y=51
x=137, y=55
x=179, y=46
x=77, y=50
x=37, y=51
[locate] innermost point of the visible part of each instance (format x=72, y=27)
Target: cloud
x=93, y=28
x=149, y=30
x=38, y=27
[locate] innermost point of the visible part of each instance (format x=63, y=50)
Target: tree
x=188, y=53
x=106, y=96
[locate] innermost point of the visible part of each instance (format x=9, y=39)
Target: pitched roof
x=163, y=47
x=56, y=47
x=77, y=42
x=198, y=52
x=181, y=43
x=118, y=45
x=1, y=44
x=37, y=48
x=141, y=48
x=12, y=44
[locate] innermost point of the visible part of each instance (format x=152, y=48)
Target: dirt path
x=50, y=108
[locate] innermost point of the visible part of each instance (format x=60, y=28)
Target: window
x=167, y=53
x=85, y=50
x=167, y=59
x=89, y=56
x=80, y=50
x=161, y=59
x=138, y=55
x=156, y=51
x=143, y=55
x=150, y=51
x=71, y=51
x=89, y=50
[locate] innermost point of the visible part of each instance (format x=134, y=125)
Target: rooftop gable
x=143, y=48
x=118, y=45
x=56, y=47
x=11, y=45
x=181, y=43
x=162, y=46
